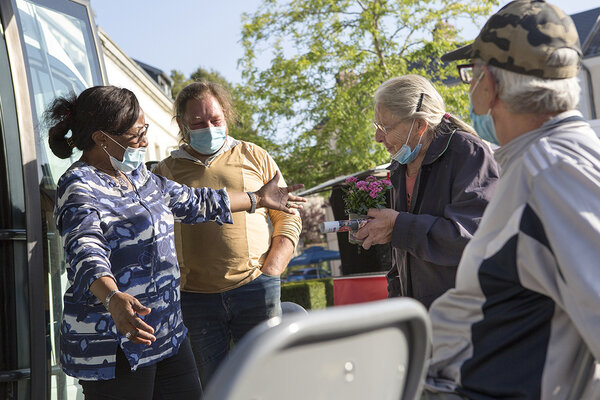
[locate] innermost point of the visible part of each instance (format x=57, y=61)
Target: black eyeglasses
x=465, y=72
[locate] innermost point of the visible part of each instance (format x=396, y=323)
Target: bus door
x=49, y=48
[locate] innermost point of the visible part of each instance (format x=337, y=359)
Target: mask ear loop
x=483, y=72
x=410, y=132
x=495, y=83
x=114, y=140
x=477, y=83
x=420, y=138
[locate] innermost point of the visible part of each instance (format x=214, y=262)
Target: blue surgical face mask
x=132, y=158
x=208, y=140
x=405, y=155
x=483, y=124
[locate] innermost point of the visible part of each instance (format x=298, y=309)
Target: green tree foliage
x=243, y=127
x=179, y=82
x=328, y=57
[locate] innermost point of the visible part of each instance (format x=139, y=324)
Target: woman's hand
x=278, y=198
x=124, y=309
x=378, y=229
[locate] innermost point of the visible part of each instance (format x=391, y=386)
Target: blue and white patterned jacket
x=109, y=230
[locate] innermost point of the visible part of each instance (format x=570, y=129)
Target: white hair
x=413, y=96
x=530, y=94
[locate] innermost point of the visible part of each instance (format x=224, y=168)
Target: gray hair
x=530, y=94
x=413, y=96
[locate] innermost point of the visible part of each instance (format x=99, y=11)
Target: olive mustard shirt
x=213, y=258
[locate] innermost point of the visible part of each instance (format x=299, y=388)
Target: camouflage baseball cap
x=521, y=37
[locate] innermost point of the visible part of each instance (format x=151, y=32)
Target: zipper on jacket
x=415, y=195
x=152, y=269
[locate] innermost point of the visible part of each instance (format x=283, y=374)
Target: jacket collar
x=519, y=145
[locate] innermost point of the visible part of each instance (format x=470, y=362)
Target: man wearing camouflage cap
x=526, y=307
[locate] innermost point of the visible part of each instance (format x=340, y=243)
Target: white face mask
x=132, y=158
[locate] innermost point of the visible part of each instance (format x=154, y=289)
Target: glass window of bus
x=61, y=57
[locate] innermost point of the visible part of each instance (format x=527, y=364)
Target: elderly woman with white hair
x=443, y=177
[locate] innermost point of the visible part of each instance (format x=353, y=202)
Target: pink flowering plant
x=360, y=195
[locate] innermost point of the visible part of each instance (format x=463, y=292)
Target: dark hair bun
x=58, y=116
x=99, y=108
x=58, y=142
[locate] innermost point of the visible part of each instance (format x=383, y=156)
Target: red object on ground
x=352, y=289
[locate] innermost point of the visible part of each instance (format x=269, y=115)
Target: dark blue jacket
x=455, y=182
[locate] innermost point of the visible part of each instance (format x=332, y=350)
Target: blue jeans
x=216, y=320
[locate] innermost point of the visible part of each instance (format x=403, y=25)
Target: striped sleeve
x=195, y=205
x=87, y=251
x=568, y=229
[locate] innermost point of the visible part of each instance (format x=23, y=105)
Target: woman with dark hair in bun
x=122, y=334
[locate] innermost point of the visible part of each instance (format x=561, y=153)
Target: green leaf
x=327, y=59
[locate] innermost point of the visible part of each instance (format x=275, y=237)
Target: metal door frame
x=32, y=233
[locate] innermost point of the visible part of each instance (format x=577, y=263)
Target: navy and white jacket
x=527, y=293
x=110, y=230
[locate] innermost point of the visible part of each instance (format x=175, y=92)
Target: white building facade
x=156, y=102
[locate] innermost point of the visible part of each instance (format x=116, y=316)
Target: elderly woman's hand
x=378, y=230
x=124, y=309
x=278, y=198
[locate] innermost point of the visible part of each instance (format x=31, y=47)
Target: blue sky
x=186, y=34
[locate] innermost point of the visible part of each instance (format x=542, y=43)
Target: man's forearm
x=280, y=253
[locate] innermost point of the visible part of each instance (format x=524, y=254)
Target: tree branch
x=361, y=5
x=377, y=44
x=406, y=42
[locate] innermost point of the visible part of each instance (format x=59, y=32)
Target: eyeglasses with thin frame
x=135, y=137
x=382, y=128
x=465, y=72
